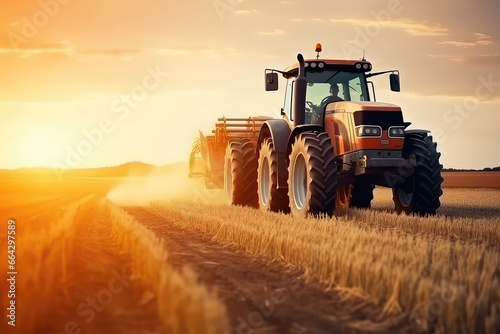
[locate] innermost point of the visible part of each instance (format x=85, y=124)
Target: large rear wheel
x=312, y=175
x=270, y=196
x=240, y=173
x=420, y=189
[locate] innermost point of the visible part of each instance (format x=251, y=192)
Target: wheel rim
x=229, y=181
x=264, y=177
x=404, y=197
x=299, y=181
x=405, y=192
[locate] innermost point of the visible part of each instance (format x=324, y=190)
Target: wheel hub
x=299, y=181
x=264, y=180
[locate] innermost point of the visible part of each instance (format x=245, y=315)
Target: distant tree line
x=487, y=169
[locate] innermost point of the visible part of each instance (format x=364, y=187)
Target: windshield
x=332, y=86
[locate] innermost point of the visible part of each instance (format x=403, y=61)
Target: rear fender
x=283, y=138
x=300, y=129
x=417, y=132
x=279, y=130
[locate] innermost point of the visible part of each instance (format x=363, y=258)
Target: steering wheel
x=323, y=102
x=312, y=107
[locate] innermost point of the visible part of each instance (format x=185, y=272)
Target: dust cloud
x=167, y=184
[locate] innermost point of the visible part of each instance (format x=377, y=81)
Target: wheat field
x=115, y=256
x=441, y=273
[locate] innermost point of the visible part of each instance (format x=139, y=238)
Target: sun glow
x=40, y=146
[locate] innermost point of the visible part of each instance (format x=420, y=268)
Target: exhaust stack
x=299, y=95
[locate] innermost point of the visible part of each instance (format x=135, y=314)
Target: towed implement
x=328, y=150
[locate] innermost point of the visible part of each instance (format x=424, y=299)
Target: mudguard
x=298, y=130
x=279, y=130
x=283, y=138
x=416, y=131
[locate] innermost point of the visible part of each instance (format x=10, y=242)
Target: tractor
x=332, y=144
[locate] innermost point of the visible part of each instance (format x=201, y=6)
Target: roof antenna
x=363, y=55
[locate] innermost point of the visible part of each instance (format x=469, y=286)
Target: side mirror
x=394, y=79
x=271, y=81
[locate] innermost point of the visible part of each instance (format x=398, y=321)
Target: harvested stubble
x=409, y=266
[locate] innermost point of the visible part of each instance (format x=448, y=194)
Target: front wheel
x=420, y=189
x=312, y=175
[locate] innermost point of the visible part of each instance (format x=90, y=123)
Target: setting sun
x=40, y=146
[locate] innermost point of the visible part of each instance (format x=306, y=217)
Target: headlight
x=368, y=131
x=365, y=67
x=396, y=131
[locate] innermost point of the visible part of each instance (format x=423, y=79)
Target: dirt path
x=261, y=297
x=97, y=294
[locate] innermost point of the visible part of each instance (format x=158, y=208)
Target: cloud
x=275, y=32
x=481, y=39
x=184, y=52
x=174, y=52
x=411, y=27
x=112, y=52
x=162, y=52
x=482, y=59
x=246, y=12
x=63, y=47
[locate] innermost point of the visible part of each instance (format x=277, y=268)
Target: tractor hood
x=384, y=115
x=352, y=107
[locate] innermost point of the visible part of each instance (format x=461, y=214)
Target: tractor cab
x=328, y=81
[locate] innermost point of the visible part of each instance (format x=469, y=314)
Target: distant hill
x=125, y=170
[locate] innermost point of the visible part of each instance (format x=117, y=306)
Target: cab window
x=287, y=106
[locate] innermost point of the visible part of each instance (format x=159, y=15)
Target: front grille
x=384, y=119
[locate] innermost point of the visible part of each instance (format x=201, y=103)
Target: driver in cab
x=333, y=97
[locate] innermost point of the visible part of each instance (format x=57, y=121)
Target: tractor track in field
x=261, y=296
x=89, y=288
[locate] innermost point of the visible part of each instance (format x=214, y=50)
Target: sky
x=103, y=82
